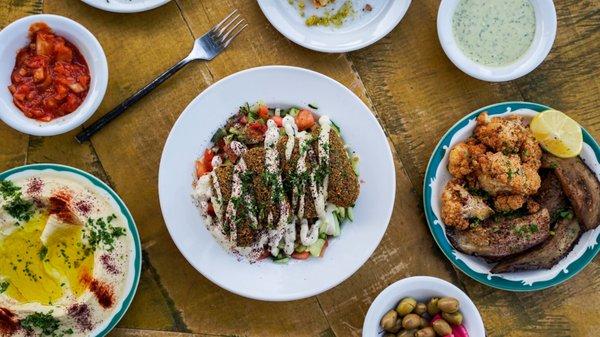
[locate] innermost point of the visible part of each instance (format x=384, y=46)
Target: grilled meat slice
x=504, y=237
x=550, y=195
x=581, y=187
x=548, y=253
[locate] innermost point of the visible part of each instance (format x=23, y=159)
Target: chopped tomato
x=208, y=157
x=278, y=121
x=258, y=126
x=324, y=247
x=263, y=112
x=201, y=168
x=229, y=153
x=301, y=256
x=305, y=120
x=210, y=209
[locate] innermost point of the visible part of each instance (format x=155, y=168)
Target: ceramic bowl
x=422, y=288
x=14, y=37
x=545, y=32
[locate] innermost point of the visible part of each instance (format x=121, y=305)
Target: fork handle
x=88, y=132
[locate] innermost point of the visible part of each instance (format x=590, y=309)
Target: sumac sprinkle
x=34, y=186
x=80, y=312
x=8, y=322
x=109, y=265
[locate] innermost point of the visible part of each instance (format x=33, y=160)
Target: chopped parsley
x=526, y=230
x=102, y=233
x=43, y=252
x=8, y=189
x=566, y=214
x=3, y=286
x=44, y=324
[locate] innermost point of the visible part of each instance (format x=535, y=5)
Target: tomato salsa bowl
x=78, y=81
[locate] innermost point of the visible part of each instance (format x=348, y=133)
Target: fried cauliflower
x=459, y=206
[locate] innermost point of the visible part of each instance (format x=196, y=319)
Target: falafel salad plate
x=276, y=191
x=512, y=196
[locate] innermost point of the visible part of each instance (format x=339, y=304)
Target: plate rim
x=393, y=23
x=296, y=295
x=125, y=10
x=95, y=181
x=494, y=281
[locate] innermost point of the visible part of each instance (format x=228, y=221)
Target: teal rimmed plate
x=437, y=176
x=135, y=265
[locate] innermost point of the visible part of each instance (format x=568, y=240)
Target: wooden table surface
x=409, y=84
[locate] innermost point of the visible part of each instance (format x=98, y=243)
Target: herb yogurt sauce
x=494, y=32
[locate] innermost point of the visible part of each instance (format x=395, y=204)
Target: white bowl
x=545, y=32
x=14, y=37
x=422, y=288
x=265, y=280
x=364, y=29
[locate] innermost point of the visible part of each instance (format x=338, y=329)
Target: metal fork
x=206, y=47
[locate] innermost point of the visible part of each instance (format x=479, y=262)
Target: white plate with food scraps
x=351, y=24
x=265, y=280
x=126, y=6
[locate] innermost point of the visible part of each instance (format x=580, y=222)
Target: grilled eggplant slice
x=581, y=187
x=550, y=195
x=546, y=255
x=501, y=238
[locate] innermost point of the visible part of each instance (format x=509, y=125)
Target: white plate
x=360, y=31
x=125, y=6
x=265, y=280
x=421, y=288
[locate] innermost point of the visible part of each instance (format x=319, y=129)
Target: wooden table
x=410, y=85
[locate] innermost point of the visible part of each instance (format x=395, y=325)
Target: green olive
x=407, y=333
x=420, y=309
x=423, y=323
x=432, y=306
x=426, y=332
x=406, y=306
x=448, y=304
x=397, y=326
x=388, y=321
x=454, y=318
x=411, y=321
x=442, y=327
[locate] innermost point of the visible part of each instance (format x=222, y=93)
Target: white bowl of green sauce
x=498, y=40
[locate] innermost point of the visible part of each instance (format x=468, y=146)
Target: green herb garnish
x=102, y=233
x=3, y=286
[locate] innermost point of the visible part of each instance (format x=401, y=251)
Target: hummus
x=65, y=253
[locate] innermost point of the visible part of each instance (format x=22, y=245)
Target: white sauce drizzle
x=291, y=129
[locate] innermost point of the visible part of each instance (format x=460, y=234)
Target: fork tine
x=225, y=36
x=218, y=25
x=227, y=42
x=219, y=33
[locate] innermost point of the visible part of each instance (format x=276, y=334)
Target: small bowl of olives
x=423, y=306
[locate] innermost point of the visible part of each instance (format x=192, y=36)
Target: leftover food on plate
x=512, y=202
x=50, y=78
x=433, y=317
x=65, y=253
x=276, y=182
x=494, y=33
x=323, y=14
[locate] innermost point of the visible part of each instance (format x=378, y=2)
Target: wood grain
x=413, y=89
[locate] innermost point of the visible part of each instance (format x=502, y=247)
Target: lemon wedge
x=558, y=133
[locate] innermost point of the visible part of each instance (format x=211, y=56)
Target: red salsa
x=51, y=78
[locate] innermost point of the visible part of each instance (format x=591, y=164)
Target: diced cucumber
x=282, y=261
x=341, y=211
x=301, y=249
x=218, y=135
x=278, y=112
x=336, y=127
x=322, y=226
x=315, y=248
x=337, y=229
x=350, y=213
x=294, y=112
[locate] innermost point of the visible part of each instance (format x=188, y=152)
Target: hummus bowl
x=295, y=279
x=70, y=253
x=436, y=177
